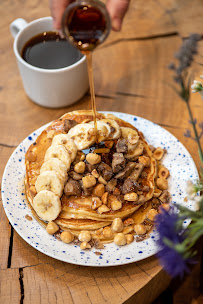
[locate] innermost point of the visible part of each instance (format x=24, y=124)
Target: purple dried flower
x=170, y=237
x=193, y=122
x=201, y=125
x=187, y=133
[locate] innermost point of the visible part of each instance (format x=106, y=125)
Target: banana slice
x=136, y=152
x=55, y=164
x=83, y=135
x=115, y=131
x=47, y=205
x=103, y=130
x=131, y=136
x=67, y=142
x=50, y=180
x=60, y=152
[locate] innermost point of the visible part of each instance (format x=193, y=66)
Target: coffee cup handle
x=16, y=26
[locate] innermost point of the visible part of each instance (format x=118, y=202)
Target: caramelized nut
x=162, y=183
x=88, y=181
x=93, y=158
x=129, y=238
x=140, y=229
x=102, y=150
x=82, y=157
x=129, y=221
x=117, y=225
x=115, y=203
x=102, y=180
x=99, y=190
x=165, y=207
x=158, y=153
x=116, y=191
x=96, y=203
x=52, y=227
x=95, y=173
x=85, y=245
x=33, y=191
x=131, y=197
x=163, y=172
x=102, y=209
x=152, y=214
x=67, y=237
x=120, y=239
x=98, y=231
x=144, y=160
x=79, y=167
x=31, y=156
x=107, y=233
x=157, y=192
x=105, y=198
x=109, y=143
x=84, y=236
x=128, y=229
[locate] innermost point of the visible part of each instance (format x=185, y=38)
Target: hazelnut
x=107, y=233
x=158, y=153
x=93, y=158
x=98, y=231
x=84, y=236
x=117, y=225
x=115, y=203
x=140, y=229
x=82, y=157
x=79, y=167
x=105, y=198
x=109, y=144
x=102, y=209
x=96, y=203
x=129, y=238
x=129, y=221
x=31, y=156
x=67, y=237
x=99, y=190
x=152, y=214
x=131, y=197
x=162, y=183
x=51, y=228
x=157, y=192
x=163, y=172
x=88, y=181
x=95, y=173
x=85, y=245
x=120, y=239
x=102, y=180
x=165, y=207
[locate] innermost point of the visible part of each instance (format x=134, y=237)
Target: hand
x=116, y=9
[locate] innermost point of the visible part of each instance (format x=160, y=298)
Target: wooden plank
x=5, y=233
x=10, y=292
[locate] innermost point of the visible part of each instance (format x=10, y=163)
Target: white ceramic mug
x=53, y=88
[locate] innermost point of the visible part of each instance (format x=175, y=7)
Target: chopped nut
x=140, y=229
x=109, y=143
x=116, y=191
x=129, y=221
x=163, y=172
x=67, y=237
x=157, y=192
x=158, y=153
x=85, y=245
x=82, y=157
x=152, y=214
x=88, y=181
x=98, y=190
x=52, y=227
x=98, y=244
x=93, y=158
x=102, y=150
x=102, y=180
x=107, y=233
x=165, y=207
x=84, y=236
x=31, y=156
x=102, y=209
x=79, y=167
x=111, y=185
x=95, y=173
x=96, y=203
x=114, y=202
x=162, y=183
x=129, y=238
x=131, y=197
x=128, y=229
x=98, y=231
x=117, y=225
x=120, y=239
x=28, y=217
x=105, y=198
x=50, y=134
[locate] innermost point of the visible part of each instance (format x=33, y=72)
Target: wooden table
x=131, y=76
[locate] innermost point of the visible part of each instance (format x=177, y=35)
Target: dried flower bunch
x=176, y=244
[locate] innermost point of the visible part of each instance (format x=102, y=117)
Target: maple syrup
x=87, y=24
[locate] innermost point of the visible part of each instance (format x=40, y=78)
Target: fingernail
x=116, y=24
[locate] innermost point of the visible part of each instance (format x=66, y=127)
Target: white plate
x=177, y=160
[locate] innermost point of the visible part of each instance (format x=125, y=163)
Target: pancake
x=75, y=212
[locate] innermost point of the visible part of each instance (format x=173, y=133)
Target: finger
x=57, y=8
x=117, y=10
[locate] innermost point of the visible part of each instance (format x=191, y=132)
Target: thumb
x=117, y=10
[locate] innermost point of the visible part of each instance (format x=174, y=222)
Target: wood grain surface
x=131, y=75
